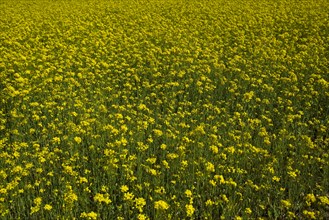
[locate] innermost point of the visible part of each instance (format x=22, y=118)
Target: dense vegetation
x=164, y=109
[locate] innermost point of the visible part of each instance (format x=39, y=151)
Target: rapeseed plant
x=164, y=109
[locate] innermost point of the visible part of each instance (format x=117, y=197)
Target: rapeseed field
x=164, y=109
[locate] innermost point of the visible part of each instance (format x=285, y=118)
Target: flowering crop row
x=164, y=109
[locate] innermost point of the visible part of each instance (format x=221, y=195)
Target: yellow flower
x=151, y=160
x=124, y=188
x=209, y=202
x=90, y=215
x=324, y=200
x=102, y=198
x=160, y=204
x=157, y=132
x=248, y=211
x=142, y=217
x=214, y=149
x=212, y=182
x=165, y=164
x=140, y=203
x=37, y=201
x=248, y=96
x=200, y=130
x=220, y=178
x=70, y=197
x=128, y=196
x=184, y=163
x=276, y=179
x=34, y=209
x=224, y=198
x=310, y=198
x=188, y=193
x=83, y=180
x=56, y=140
x=189, y=210
x=163, y=146
x=78, y=139
x=153, y=172
x=47, y=207
x=286, y=203
x=17, y=169
x=293, y=174
x=210, y=167
x=309, y=214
